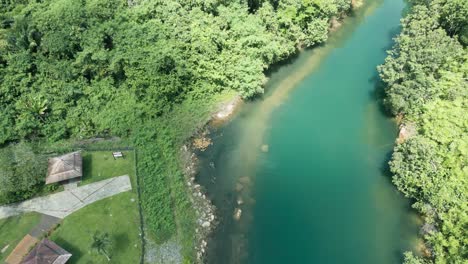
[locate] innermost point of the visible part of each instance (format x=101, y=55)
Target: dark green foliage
x=22, y=173
x=426, y=75
x=102, y=243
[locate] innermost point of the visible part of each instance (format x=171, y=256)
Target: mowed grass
x=100, y=165
x=117, y=215
x=13, y=229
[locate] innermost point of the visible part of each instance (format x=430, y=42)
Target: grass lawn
x=13, y=229
x=117, y=215
x=100, y=165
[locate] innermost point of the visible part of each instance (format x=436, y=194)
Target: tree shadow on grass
x=121, y=242
x=87, y=165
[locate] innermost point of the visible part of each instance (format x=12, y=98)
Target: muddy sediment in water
x=248, y=176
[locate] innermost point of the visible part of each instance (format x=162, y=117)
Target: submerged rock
x=245, y=180
x=251, y=200
x=237, y=213
x=265, y=148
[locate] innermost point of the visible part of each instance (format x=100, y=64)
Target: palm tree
x=101, y=243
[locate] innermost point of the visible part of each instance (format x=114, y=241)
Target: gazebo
x=66, y=167
x=47, y=252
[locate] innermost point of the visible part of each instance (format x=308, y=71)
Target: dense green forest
x=426, y=75
x=148, y=71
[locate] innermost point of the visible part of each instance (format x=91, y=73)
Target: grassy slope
x=179, y=125
x=13, y=229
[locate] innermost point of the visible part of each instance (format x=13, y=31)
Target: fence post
x=140, y=210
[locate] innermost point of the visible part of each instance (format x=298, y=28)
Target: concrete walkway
x=64, y=203
x=45, y=225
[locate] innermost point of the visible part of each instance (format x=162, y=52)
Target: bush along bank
x=426, y=86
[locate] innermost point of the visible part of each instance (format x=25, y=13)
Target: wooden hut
x=66, y=167
x=47, y=252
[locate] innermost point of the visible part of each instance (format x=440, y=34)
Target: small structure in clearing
x=118, y=154
x=47, y=252
x=66, y=167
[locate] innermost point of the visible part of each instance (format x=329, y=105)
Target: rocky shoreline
x=205, y=210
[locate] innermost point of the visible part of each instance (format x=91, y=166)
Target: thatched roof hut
x=47, y=252
x=66, y=167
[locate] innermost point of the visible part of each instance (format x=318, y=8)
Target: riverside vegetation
x=426, y=78
x=150, y=72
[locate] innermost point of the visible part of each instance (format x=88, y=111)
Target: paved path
x=71, y=184
x=45, y=225
x=64, y=203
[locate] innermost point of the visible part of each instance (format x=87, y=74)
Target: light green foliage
x=426, y=77
x=445, y=122
x=411, y=259
x=306, y=21
x=419, y=67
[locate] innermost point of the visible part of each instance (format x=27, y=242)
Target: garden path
x=66, y=202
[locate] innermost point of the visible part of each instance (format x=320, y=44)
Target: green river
x=305, y=166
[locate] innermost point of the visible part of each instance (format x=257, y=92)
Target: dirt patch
x=226, y=111
x=407, y=130
x=335, y=24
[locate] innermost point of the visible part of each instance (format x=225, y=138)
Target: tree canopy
x=81, y=68
x=426, y=75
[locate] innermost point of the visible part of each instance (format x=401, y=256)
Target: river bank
x=201, y=140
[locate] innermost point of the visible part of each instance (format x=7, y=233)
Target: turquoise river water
x=300, y=175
